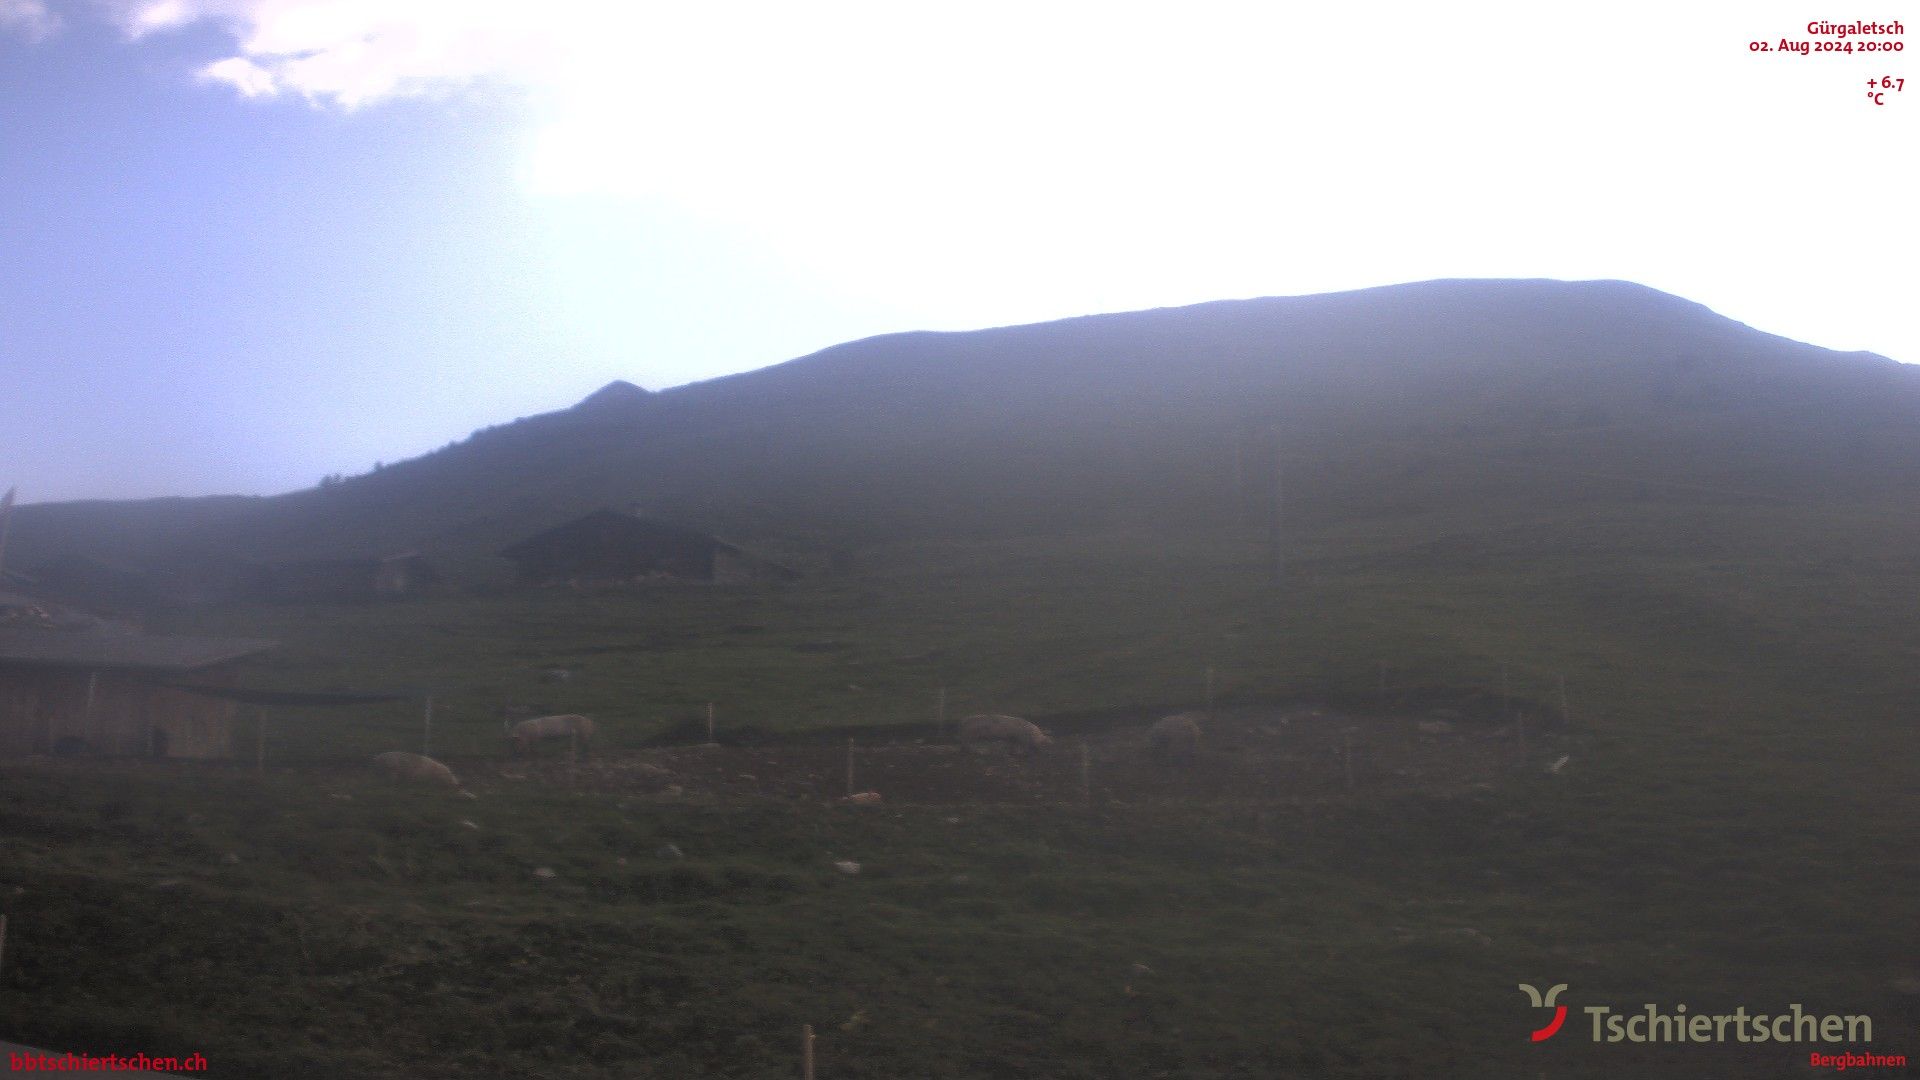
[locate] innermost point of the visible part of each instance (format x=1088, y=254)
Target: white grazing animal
x=565, y=726
x=414, y=767
x=1011, y=730
x=1176, y=737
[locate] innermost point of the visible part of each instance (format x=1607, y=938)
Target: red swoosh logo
x=1559, y=1017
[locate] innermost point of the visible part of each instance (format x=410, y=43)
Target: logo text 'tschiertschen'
x=1653, y=1024
x=1797, y=1025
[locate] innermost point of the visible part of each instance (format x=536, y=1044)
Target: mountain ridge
x=1109, y=417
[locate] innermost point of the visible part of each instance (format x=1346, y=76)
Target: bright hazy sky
x=244, y=243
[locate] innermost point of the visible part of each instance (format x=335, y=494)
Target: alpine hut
x=90, y=692
x=607, y=547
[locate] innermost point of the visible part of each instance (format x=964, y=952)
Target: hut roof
x=53, y=648
x=262, y=696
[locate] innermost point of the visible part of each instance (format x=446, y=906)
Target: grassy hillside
x=1730, y=603
x=1492, y=491
x=385, y=937
x=1735, y=826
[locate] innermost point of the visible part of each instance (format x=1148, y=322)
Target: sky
x=248, y=243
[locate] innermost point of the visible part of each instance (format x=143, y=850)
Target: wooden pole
x=849, y=766
x=806, y=1051
x=709, y=723
x=426, y=732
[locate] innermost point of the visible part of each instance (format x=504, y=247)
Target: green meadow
x=1734, y=825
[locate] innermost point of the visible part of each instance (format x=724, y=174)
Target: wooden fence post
x=709, y=723
x=806, y=1051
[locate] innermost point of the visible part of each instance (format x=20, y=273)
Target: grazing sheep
x=1176, y=737
x=524, y=734
x=415, y=768
x=1010, y=730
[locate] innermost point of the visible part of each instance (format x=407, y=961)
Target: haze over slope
x=1400, y=398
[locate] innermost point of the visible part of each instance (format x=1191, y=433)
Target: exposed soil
x=1249, y=753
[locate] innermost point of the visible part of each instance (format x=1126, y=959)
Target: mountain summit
x=617, y=394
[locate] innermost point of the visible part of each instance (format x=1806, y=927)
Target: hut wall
x=104, y=717
x=61, y=707
x=193, y=726
x=46, y=710
x=113, y=722
x=20, y=726
x=44, y=706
